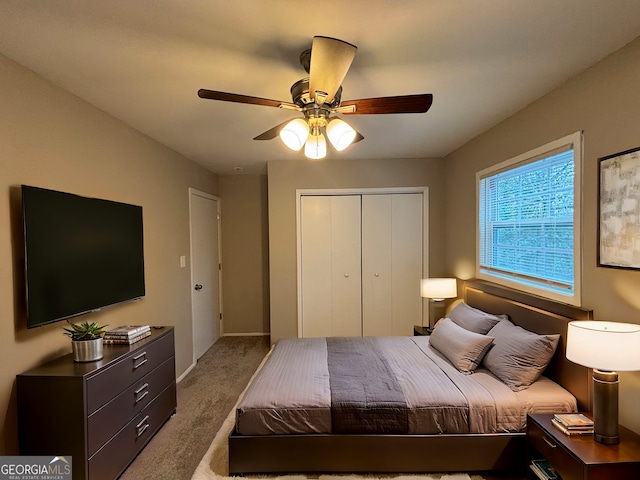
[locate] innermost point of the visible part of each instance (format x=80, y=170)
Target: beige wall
x=51, y=139
x=245, y=253
x=604, y=102
x=287, y=176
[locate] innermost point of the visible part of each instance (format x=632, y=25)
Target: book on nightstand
x=573, y=423
x=543, y=470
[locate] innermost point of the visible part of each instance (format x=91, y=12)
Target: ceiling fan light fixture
x=340, y=134
x=316, y=146
x=295, y=133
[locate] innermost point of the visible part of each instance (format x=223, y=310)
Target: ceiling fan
x=319, y=98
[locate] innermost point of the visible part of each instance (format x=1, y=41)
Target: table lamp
x=437, y=289
x=607, y=348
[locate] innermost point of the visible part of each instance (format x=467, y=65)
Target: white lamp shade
x=438, y=288
x=316, y=147
x=340, y=134
x=294, y=134
x=606, y=346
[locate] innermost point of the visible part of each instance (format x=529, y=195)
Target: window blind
x=526, y=229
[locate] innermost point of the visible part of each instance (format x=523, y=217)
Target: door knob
x=198, y=286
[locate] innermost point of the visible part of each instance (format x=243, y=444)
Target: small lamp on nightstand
x=608, y=348
x=437, y=289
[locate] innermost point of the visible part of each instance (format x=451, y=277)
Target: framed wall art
x=619, y=210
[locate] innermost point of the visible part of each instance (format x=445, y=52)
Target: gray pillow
x=473, y=319
x=464, y=349
x=518, y=357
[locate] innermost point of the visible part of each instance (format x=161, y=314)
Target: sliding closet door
x=392, y=240
x=331, y=271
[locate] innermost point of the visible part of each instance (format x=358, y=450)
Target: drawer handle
x=549, y=442
x=138, y=357
x=142, y=421
x=142, y=388
x=140, y=427
x=141, y=396
x=146, y=385
x=139, y=364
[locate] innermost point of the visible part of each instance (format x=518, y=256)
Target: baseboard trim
x=255, y=334
x=186, y=372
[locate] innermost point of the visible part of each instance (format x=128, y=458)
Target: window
x=529, y=221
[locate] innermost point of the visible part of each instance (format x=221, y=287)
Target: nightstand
x=579, y=457
x=419, y=330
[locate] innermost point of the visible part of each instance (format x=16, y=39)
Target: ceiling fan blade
x=401, y=104
x=234, y=97
x=272, y=132
x=330, y=61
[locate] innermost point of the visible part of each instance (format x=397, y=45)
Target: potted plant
x=86, y=340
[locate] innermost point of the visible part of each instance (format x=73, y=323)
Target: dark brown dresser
x=101, y=413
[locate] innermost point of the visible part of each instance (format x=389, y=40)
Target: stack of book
x=126, y=334
x=573, y=423
x=543, y=470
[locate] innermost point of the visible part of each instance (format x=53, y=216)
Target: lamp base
x=605, y=407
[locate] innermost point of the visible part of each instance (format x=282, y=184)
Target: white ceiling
x=143, y=61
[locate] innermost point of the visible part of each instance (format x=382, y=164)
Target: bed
x=478, y=426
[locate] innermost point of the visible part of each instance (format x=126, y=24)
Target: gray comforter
x=303, y=387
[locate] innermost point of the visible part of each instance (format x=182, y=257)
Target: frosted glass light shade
x=295, y=133
x=340, y=134
x=316, y=147
x=438, y=288
x=606, y=346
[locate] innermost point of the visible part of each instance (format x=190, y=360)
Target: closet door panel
x=346, y=266
x=407, y=261
x=330, y=255
x=316, y=263
x=377, y=265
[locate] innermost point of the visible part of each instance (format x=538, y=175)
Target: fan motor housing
x=300, y=94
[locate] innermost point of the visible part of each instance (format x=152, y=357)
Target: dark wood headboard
x=540, y=316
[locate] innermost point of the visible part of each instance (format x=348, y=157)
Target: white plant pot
x=87, y=350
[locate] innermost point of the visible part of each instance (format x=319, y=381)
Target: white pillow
x=463, y=348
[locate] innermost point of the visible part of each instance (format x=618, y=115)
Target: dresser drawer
x=565, y=464
x=110, y=381
x=108, y=420
x=111, y=460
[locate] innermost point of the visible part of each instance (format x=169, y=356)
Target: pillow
x=464, y=349
x=518, y=357
x=473, y=319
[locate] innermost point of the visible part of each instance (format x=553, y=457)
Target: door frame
x=192, y=192
x=301, y=192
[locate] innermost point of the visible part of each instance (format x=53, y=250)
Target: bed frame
x=329, y=453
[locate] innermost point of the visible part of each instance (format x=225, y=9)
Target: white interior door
x=331, y=259
x=205, y=270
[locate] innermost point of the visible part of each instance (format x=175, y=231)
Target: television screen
x=81, y=254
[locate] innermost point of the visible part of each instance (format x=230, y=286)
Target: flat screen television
x=81, y=254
